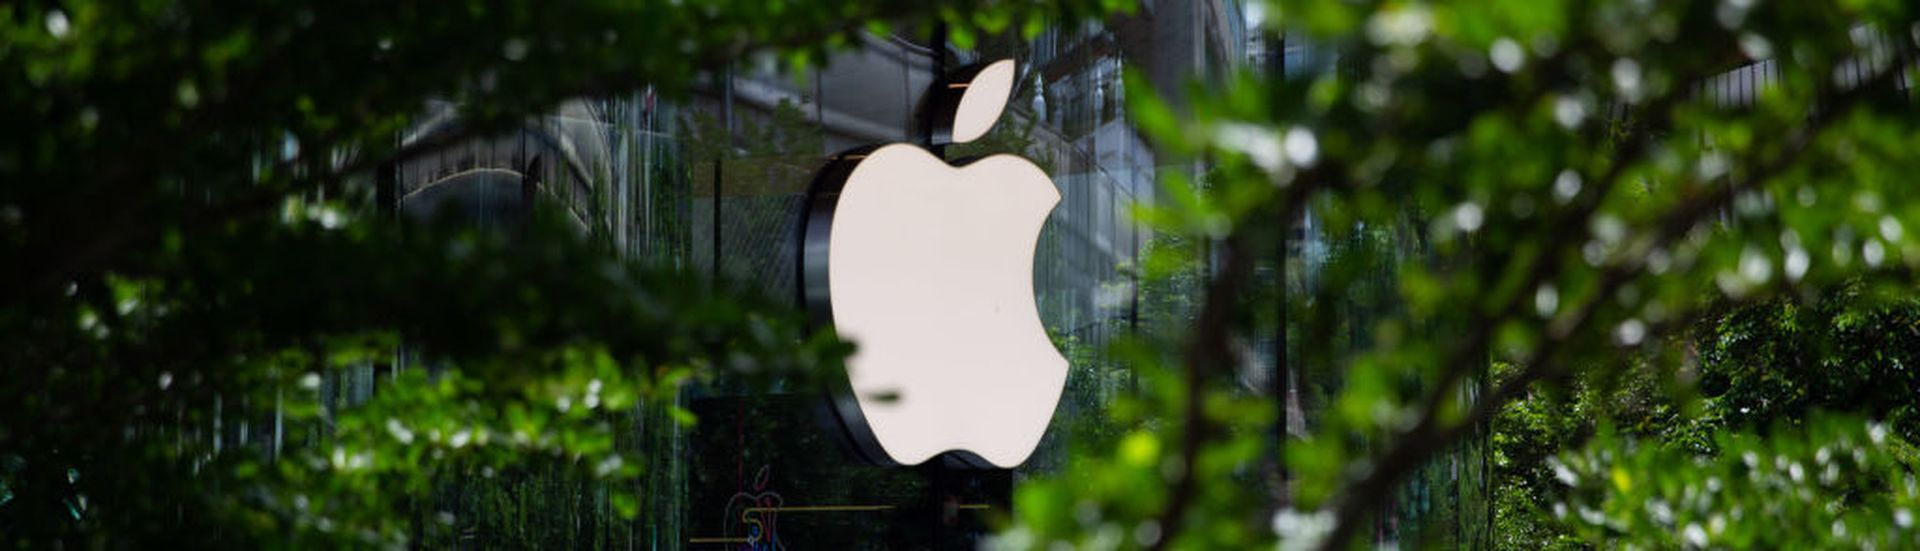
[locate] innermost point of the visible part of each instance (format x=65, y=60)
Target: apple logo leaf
x=972, y=101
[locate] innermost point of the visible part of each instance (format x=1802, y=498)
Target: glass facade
x=715, y=184
x=1447, y=502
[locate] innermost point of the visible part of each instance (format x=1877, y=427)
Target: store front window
x=717, y=185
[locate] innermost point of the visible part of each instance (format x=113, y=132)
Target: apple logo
x=927, y=267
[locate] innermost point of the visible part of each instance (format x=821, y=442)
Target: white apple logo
x=928, y=269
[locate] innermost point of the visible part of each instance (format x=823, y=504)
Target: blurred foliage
x=1116, y=482
x=1556, y=186
x=1568, y=190
x=1824, y=483
x=517, y=380
x=194, y=255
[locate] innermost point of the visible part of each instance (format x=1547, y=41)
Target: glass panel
x=715, y=185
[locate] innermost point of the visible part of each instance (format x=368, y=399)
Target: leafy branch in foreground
x=147, y=115
x=580, y=340
x=1428, y=437
x=189, y=242
x=1562, y=184
x=1828, y=482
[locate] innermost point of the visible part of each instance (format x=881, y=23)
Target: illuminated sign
x=927, y=267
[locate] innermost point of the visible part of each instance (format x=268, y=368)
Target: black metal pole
x=1282, y=383
x=938, y=49
x=386, y=189
x=726, y=145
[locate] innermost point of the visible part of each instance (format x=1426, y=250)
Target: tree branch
x=1211, y=345
x=1431, y=434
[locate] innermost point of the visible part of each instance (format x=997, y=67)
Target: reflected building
x=715, y=184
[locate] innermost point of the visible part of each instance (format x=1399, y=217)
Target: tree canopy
x=1574, y=191
x=1567, y=189
x=188, y=241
